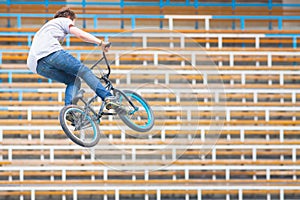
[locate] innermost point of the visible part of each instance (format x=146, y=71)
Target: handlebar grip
x=108, y=45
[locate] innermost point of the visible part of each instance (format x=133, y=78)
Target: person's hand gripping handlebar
x=105, y=46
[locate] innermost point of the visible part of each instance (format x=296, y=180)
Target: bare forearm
x=87, y=37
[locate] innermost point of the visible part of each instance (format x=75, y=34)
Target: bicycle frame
x=108, y=86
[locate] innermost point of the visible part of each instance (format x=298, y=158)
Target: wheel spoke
x=80, y=127
x=82, y=135
x=140, y=119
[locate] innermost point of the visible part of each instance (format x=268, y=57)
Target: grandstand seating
x=240, y=142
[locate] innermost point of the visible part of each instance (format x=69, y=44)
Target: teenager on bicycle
x=47, y=57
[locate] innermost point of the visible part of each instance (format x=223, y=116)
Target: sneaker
x=111, y=102
x=70, y=118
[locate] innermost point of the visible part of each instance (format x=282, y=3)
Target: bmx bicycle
x=80, y=123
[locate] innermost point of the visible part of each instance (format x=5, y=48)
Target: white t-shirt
x=48, y=40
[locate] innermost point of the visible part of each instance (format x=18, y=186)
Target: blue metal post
x=196, y=4
x=196, y=7
x=280, y=45
x=8, y=23
x=233, y=25
x=270, y=5
x=233, y=5
x=9, y=77
x=19, y=21
x=270, y=25
x=242, y=20
x=95, y=22
x=280, y=23
x=161, y=24
x=29, y=40
x=122, y=10
x=196, y=23
x=20, y=95
x=161, y=3
x=295, y=42
x=233, y=9
x=295, y=46
x=132, y=23
x=68, y=41
x=83, y=3
x=242, y=26
x=8, y=6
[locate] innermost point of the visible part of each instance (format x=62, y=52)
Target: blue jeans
x=64, y=68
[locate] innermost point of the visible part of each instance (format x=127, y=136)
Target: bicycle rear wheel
x=79, y=126
x=142, y=119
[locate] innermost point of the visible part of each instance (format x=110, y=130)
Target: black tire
x=83, y=125
x=141, y=120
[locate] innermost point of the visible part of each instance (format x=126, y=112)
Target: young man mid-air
x=47, y=57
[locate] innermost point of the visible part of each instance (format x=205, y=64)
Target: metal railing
x=161, y=3
x=170, y=18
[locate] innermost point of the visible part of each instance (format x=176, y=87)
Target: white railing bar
x=150, y=187
x=200, y=52
x=201, y=90
x=164, y=147
x=198, y=35
x=183, y=127
x=148, y=168
x=216, y=108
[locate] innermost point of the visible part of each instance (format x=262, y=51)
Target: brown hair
x=65, y=12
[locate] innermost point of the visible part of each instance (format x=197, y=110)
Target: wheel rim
x=147, y=110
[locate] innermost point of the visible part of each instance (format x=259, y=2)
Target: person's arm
x=87, y=37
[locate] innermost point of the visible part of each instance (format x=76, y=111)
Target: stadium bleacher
x=227, y=108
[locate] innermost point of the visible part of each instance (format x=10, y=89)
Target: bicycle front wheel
x=79, y=126
x=140, y=119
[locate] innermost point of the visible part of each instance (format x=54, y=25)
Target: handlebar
x=108, y=45
x=106, y=76
x=107, y=64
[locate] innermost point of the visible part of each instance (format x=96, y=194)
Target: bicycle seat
x=78, y=96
